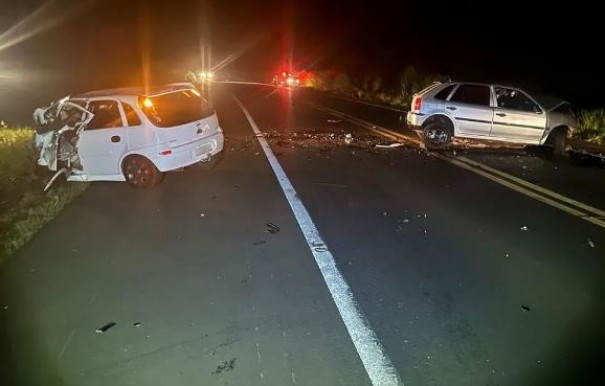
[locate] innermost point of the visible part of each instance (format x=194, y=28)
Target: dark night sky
x=101, y=44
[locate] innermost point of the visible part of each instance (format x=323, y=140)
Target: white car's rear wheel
x=140, y=172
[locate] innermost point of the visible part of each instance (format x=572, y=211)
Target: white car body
x=112, y=125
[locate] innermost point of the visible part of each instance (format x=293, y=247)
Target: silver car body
x=528, y=120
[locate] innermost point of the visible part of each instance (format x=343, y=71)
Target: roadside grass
x=592, y=126
x=372, y=87
x=24, y=207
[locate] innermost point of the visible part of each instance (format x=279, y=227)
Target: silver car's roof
x=547, y=101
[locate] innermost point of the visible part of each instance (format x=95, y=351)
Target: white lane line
x=379, y=367
x=66, y=344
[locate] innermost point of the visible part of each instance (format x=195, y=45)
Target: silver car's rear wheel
x=437, y=135
x=140, y=172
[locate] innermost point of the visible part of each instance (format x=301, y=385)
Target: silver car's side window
x=511, y=99
x=472, y=94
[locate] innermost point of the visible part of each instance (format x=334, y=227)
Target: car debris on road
x=590, y=242
x=390, y=146
x=272, y=228
x=105, y=328
x=348, y=139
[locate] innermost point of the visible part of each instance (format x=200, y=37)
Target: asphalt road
x=464, y=281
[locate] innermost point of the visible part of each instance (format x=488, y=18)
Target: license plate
x=201, y=150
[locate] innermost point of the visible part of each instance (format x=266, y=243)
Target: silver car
x=492, y=112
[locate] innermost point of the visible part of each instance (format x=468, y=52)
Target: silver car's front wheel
x=437, y=135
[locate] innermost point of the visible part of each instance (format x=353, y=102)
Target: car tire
x=558, y=141
x=437, y=134
x=141, y=172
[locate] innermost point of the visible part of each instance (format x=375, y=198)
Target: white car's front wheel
x=140, y=172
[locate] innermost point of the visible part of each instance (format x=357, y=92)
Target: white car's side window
x=106, y=115
x=132, y=118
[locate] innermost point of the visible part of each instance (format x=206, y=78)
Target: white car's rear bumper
x=190, y=153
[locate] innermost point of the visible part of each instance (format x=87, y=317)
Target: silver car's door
x=471, y=108
x=517, y=117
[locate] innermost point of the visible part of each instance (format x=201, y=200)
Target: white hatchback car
x=127, y=134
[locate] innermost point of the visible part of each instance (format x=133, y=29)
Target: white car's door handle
x=451, y=108
x=501, y=114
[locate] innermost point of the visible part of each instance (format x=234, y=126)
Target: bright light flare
x=206, y=75
x=48, y=15
x=147, y=103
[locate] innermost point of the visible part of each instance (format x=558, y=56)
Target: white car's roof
x=134, y=91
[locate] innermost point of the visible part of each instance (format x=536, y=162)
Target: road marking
x=583, y=211
x=379, y=367
x=365, y=124
x=580, y=214
x=581, y=205
x=66, y=344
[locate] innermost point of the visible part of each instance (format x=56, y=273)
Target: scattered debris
x=525, y=308
x=259, y=242
x=524, y=228
x=102, y=330
x=348, y=139
x=225, y=366
x=506, y=256
x=272, y=228
x=202, y=214
x=405, y=220
x=590, y=242
x=390, y=146
x=334, y=120
x=137, y=324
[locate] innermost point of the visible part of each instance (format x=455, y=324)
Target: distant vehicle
x=127, y=134
x=493, y=112
x=286, y=79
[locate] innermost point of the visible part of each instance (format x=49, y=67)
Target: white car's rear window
x=176, y=108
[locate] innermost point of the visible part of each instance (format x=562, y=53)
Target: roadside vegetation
x=372, y=88
x=24, y=207
x=592, y=126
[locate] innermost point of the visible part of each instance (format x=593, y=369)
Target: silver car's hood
x=549, y=102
